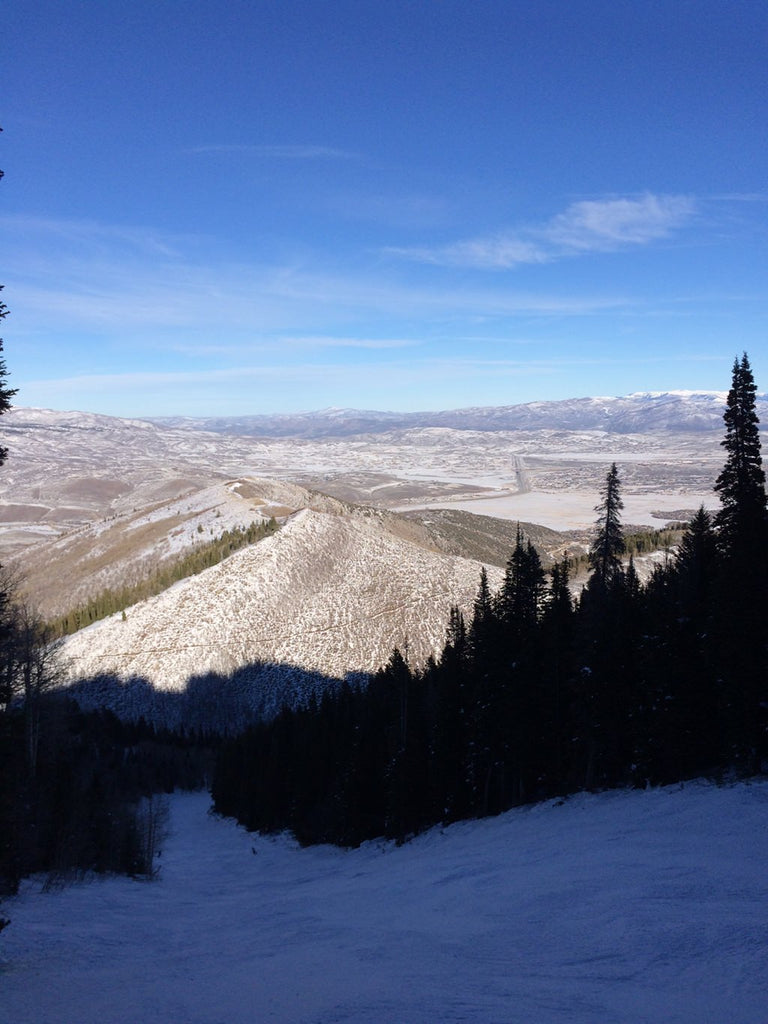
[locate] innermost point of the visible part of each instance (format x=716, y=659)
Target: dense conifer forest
x=542, y=693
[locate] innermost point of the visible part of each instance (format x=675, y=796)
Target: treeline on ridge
x=202, y=556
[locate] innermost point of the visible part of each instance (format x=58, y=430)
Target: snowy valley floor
x=613, y=909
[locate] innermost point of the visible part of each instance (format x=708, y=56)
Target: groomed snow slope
x=623, y=908
x=328, y=593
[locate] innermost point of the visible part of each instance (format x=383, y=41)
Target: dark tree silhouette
x=522, y=592
x=741, y=522
x=695, y=562
x=742, y=593
x=608, y=545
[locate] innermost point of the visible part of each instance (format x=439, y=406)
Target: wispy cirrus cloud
x=590, y=225
x=239, y=380
x=119, y=281
x=416, y=370
x=324, y=341
x=496, y=253
x=278, y=152
x=608, y=224
x=284, y=343
x=92, y=236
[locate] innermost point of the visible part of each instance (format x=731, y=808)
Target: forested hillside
x=540, y=695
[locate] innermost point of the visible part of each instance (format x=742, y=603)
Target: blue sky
x=257, y=206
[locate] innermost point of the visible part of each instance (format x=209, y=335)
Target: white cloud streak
x=588, y=226
x=604, y=225
x=94, y=237
x=322, y=341
x=391, y=373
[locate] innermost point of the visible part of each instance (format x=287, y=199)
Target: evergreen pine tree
x=741, y=606
x=484, y=642
x=560, y=604
x=608, y=545
x=535, y=585
x=453, y=696
x=607, y=646
x=742, y=523
x=522, y=592
x=687, y=723
x=694, y=568
x=483, y=627
x=555, y=667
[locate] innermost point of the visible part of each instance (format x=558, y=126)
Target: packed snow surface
x=623, y=908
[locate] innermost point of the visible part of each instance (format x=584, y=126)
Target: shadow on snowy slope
x=211, y=703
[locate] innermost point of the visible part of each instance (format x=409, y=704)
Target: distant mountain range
x=642, y=412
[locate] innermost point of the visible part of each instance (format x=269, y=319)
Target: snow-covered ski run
x=620, y=908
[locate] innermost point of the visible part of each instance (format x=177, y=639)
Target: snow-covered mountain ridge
x=328, y=593
x=639, y=412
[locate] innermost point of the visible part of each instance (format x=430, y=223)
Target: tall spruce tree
x=483, y=631
x=522, y=593
x=742, y=522
x=608, y=545
x=605, y=646
x=742, y=592
x=695, y=567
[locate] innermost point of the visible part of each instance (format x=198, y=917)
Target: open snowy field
x=575, y=509
x=623, y=908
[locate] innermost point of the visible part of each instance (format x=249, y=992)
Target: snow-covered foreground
x=612, y=909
